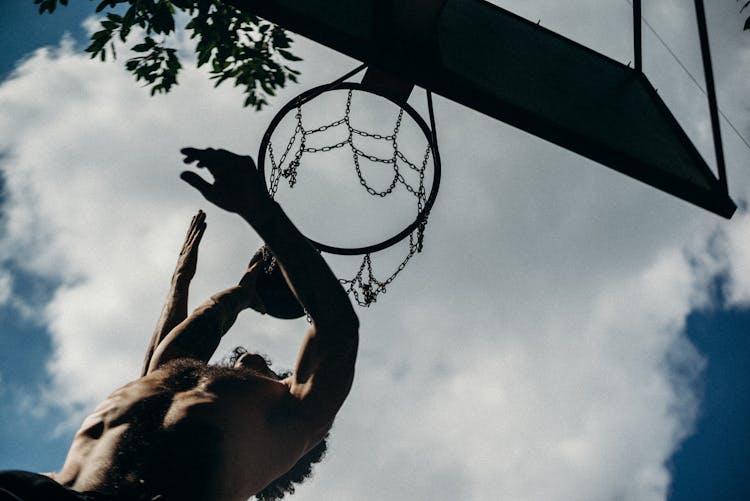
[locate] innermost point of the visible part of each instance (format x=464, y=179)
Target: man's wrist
x=182, y=279
x=262, y=214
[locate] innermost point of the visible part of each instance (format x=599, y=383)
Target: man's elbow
x=354, y=335
x=348, y=332
x=343, y=331
x=352, y=324
x=350, y=327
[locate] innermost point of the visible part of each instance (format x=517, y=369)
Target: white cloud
x=6, y=286
x=524, y=355
x=737, y=249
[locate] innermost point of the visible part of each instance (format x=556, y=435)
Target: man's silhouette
x=187, y=430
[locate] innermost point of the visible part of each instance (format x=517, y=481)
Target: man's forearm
x=309, y=276
x=173, y=312
x=198, y=336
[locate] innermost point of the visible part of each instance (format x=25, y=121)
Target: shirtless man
x=187, y=430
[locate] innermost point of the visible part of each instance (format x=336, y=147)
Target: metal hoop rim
x=429, y=134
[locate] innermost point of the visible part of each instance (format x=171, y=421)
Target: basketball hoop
x=275, y=166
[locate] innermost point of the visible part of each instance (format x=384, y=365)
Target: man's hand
x=188, y=259
x=237, y=185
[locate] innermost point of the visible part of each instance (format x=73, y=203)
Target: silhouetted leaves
x=159, y=67
x=235, y=45
x=747, y=21
x=48, y=5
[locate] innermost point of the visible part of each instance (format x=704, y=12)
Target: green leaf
x=288, y=55
x=97, y=45
x=45, y=5
x=162, y=21
x=129, y=17
x=141, y=47
x=124, y=32
x=103, y=34
x=203, y=58
x=132, y=64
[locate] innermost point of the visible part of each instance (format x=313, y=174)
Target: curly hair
x=302, y=469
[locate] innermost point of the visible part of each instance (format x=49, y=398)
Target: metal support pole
x=637, y=36
x=713, y=107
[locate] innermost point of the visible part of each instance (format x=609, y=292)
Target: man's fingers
x=196, y=236
x=196, y=182
x=200, y=218
x=189, y=153
x=197, y=226
x=190, y=230
x=201, y=226
x=193, y=154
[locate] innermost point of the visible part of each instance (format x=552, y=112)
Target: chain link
x=364, y=286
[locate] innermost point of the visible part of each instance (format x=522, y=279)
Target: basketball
x=272, y=288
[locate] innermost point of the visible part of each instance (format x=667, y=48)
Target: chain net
x=364, y=286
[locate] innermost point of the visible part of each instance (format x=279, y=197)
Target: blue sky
x=24, y=346
x=713, y=463
x=638, y=290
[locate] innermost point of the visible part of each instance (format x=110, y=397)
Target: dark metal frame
x=700, y=14
x=637, y=36
x=423, y=63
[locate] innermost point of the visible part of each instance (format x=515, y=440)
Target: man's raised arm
x=176, y=305
x=325, y=367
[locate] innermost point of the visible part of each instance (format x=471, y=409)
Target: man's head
x=241, y=358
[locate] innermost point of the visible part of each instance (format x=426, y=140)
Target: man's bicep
x=324, y=374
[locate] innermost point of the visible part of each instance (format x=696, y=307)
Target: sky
x=567, y=334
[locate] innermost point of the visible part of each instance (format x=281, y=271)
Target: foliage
x=237, y=46
x=747, y=21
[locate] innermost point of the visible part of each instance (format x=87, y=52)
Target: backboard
x=500, y=64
